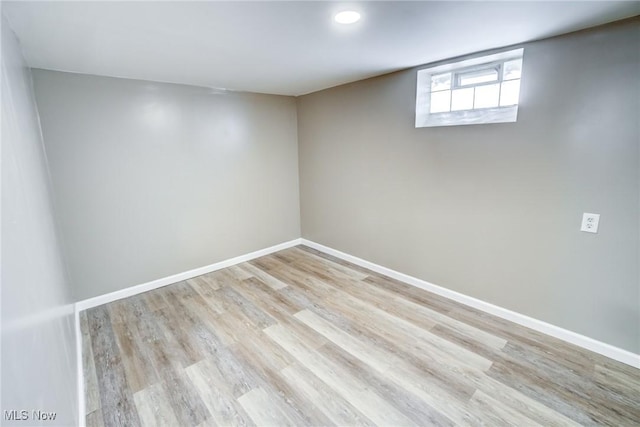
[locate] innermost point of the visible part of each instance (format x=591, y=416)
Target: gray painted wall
x=494, y=211
x=154, y=179
x=38, y=340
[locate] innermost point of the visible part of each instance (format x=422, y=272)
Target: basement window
x=474, y=91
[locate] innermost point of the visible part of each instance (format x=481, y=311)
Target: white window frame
x=424, y=118
x=455, y=74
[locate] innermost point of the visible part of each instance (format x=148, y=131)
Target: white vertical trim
x=591, y=344
x=80, y=371
x=144, y=287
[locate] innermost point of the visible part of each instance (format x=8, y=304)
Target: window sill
x=469, y=117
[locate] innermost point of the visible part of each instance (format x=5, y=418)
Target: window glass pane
x=462, y=99
x=486, y=96
x=440, y=101
x=510, y=93
x=478, y=76
x=440, y=82
x=512, y=69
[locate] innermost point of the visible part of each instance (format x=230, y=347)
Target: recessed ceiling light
x=347, y=17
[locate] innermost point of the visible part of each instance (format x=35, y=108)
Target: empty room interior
x=317, y=213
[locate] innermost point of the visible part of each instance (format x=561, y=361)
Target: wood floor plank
x=204, y=281
x=393, y=325
x=92, y=396
x=276, y=304
x=256, y=316
x=396, y=345
x=199, y=310
x=401, y=304
x=417, y=295
x=257, y=343
x=299, y=256
x=530, y=407
x=441, y=375
x=116, y=401
x=416, y=402
x=262, y=409
x=551, y=380
x=587, y=410
x=345, y=384
x=498, y=414
x=208, y=296
x=349, y=284
x=375, y=358
x=180, y=341
x=564, y=354
x=154, y=408
x=565, y=381
x=138, y=369
x=208, y=340
x=238, y=379
x=229, y=374
x=617, y=385
x=190, y=311
x=329, y=293
x=155, y=300
x=120, y=311
x=184, y=400
x=95, y=419
x=168, y=358
x=216, y=395
x=264, y=277
x=279, y=306
x=239, y=273
x=296, y=408
x=332, y=258
x=396, y=370
x=336, y=408
x=232, y=327
x=299, y=337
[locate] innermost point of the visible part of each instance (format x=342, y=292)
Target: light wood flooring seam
x=300, y=338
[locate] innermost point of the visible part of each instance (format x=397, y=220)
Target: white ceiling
x=288, y=48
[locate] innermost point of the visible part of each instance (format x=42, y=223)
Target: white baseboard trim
x=138, y=289
x=144, y=287
x=596, y=346
x=82, y=421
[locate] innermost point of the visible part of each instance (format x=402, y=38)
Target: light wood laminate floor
x=303, y=339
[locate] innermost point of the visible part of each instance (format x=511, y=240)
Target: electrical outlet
x=590, y=222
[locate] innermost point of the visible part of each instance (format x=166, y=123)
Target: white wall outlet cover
x=590, y=222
